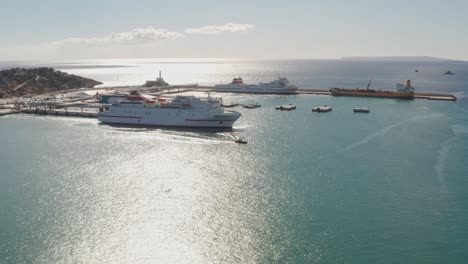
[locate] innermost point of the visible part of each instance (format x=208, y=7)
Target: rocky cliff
x=19, y=81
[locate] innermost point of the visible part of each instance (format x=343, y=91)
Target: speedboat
x=240, y=141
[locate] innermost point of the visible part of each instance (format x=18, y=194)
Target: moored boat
x=361, y=110
x=252, y=106
x=322, y=109
x=287, y=107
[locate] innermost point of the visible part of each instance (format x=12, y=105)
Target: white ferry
x=181, y=111
x=278, y=86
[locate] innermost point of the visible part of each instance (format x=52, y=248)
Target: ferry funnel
x=408, y=83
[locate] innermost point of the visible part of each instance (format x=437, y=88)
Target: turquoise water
x=337, y=187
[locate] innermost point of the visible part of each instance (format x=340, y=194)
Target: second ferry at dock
x=402, y=92
x=180, y=111
x=278, y=86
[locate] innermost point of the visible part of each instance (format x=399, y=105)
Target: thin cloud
x=226, y=28
x=137, y=35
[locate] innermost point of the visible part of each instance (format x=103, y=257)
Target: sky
x=299, y=29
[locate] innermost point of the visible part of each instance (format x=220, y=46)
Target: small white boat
x=252, y=106
x=324, y=109
x=361, y=110
x=287, y=107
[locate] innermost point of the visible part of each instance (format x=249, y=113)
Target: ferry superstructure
x=278, y=86
x=402, y=92
x=180, y=111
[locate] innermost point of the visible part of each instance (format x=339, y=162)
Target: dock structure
x=73, y=109
x=313, y=91
x=441, y=98
x=430, y=96
x=4, y=112
x=89, y=107
x=60, y=112
x=435, y=96
x=173, y=89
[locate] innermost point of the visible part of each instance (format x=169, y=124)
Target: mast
x=368, y=85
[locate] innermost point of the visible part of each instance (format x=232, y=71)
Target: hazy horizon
x=61, y=30
x=219, y=59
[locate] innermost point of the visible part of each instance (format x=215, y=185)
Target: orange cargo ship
x=402, y=92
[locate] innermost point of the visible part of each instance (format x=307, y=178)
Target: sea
x=389, y=186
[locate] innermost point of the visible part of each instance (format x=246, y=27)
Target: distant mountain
x=19, y=81
x=398, y=58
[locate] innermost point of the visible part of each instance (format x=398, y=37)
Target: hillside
x=19, y=81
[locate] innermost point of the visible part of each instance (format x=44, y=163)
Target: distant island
x=398, y=58
x=19, y=81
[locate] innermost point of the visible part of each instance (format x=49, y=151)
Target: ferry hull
x=164, y=118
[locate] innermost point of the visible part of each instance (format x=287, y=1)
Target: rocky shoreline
x=18, y=82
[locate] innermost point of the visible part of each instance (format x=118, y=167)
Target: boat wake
x=440, y=165
x=196, y=138
x=458, y=130
x=460, y=95
x=384, y=131
x=228, y=136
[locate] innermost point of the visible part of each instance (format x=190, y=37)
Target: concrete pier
x=430, y=96
x=435, y=96
x=60, y=112
x=4, y=112
x=89, y=107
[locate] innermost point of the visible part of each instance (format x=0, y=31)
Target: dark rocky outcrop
x=20, y=82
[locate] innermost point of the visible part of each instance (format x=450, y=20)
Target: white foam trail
x=459, y=129
x=240, y=127
x=229, y=136
x=166, y=136
x=460, y=95
x=190, y=139
x=440, y=164
x=370, y=137
x=384, y=131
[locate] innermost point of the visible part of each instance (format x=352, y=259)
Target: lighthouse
x=159, y=81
